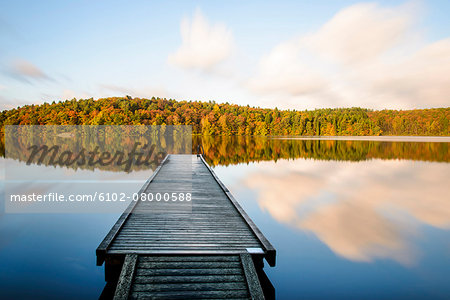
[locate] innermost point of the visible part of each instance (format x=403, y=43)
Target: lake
x=361, y=218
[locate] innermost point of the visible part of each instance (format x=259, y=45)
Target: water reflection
x=368, y=201
x=224, y=150
x=109, y=148
x=362, y=211
x=242, y=149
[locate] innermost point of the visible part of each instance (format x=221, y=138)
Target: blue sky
x=290, y=54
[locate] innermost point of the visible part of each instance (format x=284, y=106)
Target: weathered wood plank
x=189, y=272
x=126, y=277
x=254, y=285
x=191, y=258
x=200, y=287
x=191, y=295
x=191, y=251
x=181, y=246
x=188, y=265
x=186, y=232
x=185, y=279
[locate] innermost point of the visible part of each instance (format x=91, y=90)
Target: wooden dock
x=207, y=247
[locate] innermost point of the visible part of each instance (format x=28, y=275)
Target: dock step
x=188, y=277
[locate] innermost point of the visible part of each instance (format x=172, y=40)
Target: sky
x=285, y=54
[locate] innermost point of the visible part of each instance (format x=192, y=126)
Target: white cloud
x=366, y=55
x=25, y=70
x=204, y=45
x=361, y=32
x=281, y=70
x=423, y=79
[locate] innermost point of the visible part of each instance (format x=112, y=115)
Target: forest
x=213, y=119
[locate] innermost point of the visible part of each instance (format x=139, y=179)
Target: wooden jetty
x=207, y=247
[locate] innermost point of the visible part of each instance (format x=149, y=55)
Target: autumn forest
x=210, y=118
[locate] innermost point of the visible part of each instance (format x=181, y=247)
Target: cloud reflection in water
x=362, y=211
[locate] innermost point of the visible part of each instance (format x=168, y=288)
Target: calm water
x=358, y=219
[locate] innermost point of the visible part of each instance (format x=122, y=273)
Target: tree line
x=211, y=118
